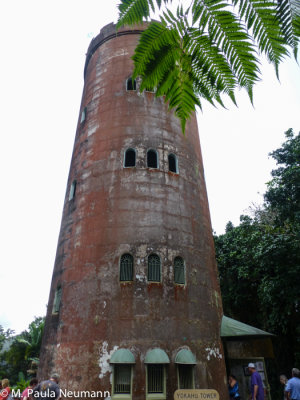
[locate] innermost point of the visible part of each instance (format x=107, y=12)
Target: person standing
x=233, y=388
x=5, y=391
x=257, y=389
x=283, y=380
x=292, y=388
x=47, y=390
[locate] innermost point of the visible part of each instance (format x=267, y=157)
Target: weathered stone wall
x=140, y=211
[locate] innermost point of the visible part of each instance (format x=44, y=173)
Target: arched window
x=152, y=159
x=72, y=190
x=122, y=361
x=83, y=115
x=129, y=159
x=179, y=271
x=173, y=165
x=126, y=268
x=154, y=267
x=185, y=361
x=155, y=360
x=131, y=84
x=57, y=300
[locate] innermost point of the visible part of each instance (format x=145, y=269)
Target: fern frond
x=288, y=13
x=229, y=35
x=134, y=11
x=162, y=62
x=260, y=17
x=210, y=66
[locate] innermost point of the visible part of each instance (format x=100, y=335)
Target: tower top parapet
x=109, y=32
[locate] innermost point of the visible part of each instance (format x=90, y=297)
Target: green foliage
x=259, y=260
x=22, y=383
x=209, y=49
x=21, y=352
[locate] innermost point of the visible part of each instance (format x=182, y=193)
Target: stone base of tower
x=86, y=371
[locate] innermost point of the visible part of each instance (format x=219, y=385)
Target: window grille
x=72, y=190
x=129, y=158
x=179, y=271
x=186, y=377
x=155, y=375
x=126, y=267
x=131, y=84
x=152, y=161
x=154, y=268
x=57, y=299
x=172, y=163
x=122, y=379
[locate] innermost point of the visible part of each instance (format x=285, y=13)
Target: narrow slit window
x=179, y=271
x=57, y=300
x=122, y=379
x=131, y=84
x=186, y=376
x=173, y=166
x=72, y=190
x=152, y=159
x=83, y=115
x=154, y=267
x=130, y=158
x=155, y=378
x=126, y=268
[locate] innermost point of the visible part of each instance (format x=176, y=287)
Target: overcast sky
x=43, y=45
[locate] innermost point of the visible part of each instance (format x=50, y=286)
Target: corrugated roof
x=232, y=328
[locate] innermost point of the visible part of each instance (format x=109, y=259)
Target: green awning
x=185, y=356
x=157, y=356
x=232, y=328
x=122, y=356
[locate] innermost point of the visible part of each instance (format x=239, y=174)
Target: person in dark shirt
x=233, y=388
x=47, y=390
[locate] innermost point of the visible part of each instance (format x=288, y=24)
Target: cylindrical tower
x=135, y=306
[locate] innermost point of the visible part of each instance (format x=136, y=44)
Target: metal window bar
x=179, y=275
x=155, y=378
x=122, y=379
x=154, y=268
x=126, y=267
x=186, y=377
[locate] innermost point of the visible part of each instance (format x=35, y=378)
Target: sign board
x=196, y=394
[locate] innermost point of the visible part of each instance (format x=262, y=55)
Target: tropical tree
x=19, y=359
x=210, y=48
x=259, y=260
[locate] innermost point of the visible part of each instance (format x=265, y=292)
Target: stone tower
x=134, y=306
